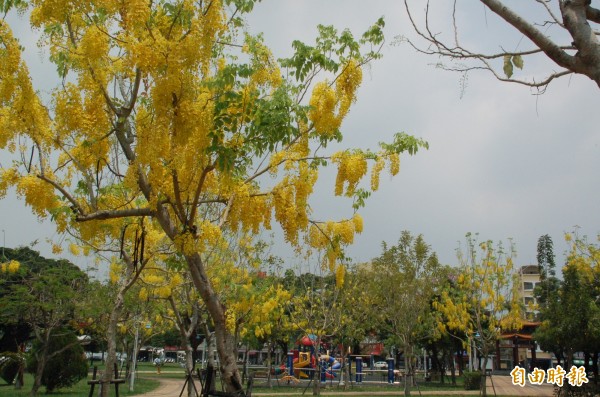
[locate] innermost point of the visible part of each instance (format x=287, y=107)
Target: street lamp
x=134, y=358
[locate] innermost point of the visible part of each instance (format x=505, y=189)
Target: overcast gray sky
x=502, y=162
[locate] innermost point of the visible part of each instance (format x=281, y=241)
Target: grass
x=142, y=385
x=147, y=380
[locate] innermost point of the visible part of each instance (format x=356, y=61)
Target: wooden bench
x=208, y=387
x=115, y=381
x=261, y=375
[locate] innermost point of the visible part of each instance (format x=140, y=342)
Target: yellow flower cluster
x=323, y=104
x=375, y=172
x=290, y=200
x=20, y=109
x=38, y=195
x=329, y=106
x=212, y=23
x=270, y=311
x=346, y=85
x=8, y=177
x=74, y=249
x=230, y=320
x=323, y=235
x=11, y=62
x=134, y=12
x=163, y=291
x=250, y=210
x=351, y=168
x=143, y=294
x=50, y=11
x=266, y=69
x=358, y=223
x=11, y=266
x=115, y=272
x=93, y=46
x=340, y=273
x=394, y=159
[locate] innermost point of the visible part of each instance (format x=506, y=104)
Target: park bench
x=115, y=381
x=208, y=387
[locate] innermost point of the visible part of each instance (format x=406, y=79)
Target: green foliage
x=472, y=380
x=545, y=256
x=509, y=62
x=65, y=368
x=9, y=365
x=6, y=5
x=404, y=143
x=402, y=283
x=332, y=49
x=569, y=310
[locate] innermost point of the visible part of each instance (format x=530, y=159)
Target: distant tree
x=545, y=257
x=442, y=343
x=564, y=31
x=357, y=309
x=403, y=281
x=571, y=318
x=317, y=308
x=487, y=299
x=45, y=296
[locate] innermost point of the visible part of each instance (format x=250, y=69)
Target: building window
x=528, y=286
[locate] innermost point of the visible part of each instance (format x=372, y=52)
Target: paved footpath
x=502, y=386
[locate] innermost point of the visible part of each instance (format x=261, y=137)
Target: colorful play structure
x=302, y=362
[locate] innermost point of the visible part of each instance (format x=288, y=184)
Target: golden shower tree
x=169, y=121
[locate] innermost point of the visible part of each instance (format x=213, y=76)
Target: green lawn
x=142, y=385
x=146, y=381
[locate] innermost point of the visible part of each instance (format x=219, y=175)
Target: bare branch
x=582, y=56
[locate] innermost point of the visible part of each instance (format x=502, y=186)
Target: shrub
x=472, y=380
x=64, y=369
x=8, y=368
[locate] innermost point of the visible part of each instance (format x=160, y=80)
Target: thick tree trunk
x=225, y=340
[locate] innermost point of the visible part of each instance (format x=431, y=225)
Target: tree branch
x=114, y=214
x=553, y=51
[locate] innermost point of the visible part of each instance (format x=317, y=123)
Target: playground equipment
x=331, y=364
x=302, y=364
x=303, y=361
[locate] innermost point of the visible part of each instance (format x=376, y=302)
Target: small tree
x=67, y=364
x=487, y=300
x=317, y=309
x=403, y=282
x=46, y=298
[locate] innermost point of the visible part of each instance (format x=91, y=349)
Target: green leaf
x=508, y=66
x=517, y=60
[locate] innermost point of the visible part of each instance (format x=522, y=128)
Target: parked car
x=380, y=365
